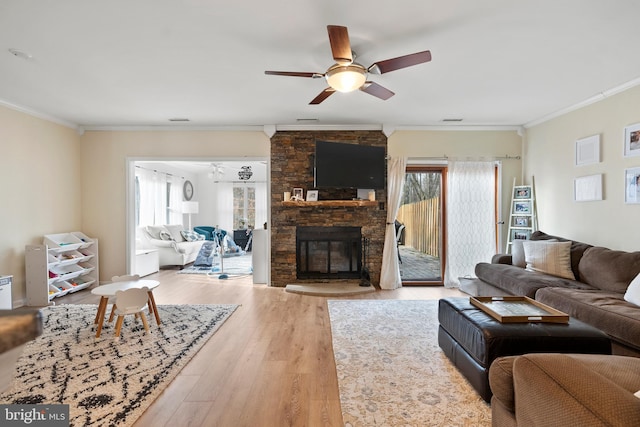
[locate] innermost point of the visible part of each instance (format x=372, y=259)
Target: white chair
x=132, y=301
x=123, y=278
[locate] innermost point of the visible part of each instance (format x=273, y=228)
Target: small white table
x=109, y=290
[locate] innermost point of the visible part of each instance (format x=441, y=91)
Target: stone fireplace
x=292, y=155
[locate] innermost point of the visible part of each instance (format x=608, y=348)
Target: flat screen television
x=340, y=165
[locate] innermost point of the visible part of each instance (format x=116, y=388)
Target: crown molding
x=596, y=98
x=39, y=115
x=319, y=127
x=175, y=128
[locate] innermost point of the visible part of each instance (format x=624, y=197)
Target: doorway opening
x=421, y=221
x=229, y=194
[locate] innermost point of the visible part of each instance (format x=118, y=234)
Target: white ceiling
x=139, y=63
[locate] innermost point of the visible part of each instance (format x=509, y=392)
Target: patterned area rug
x=391, y=371
x=105, y=381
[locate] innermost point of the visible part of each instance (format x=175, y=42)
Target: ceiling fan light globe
x=346, y=78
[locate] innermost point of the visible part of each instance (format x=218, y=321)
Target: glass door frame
x=442, y=169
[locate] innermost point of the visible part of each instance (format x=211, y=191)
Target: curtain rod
x=445, y=157
x=157, y=171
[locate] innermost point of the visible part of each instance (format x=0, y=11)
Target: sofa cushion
x=633, y=291
x=549, y=257
x=609, y=270
x=577, y=249
x=154, y=231
x=518, y=281
x=607, y=311
x=175, y=230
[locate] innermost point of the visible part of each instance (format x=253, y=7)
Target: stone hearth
x=292, y=155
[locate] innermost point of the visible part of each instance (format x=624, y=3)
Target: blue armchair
x=209, y=232
x=205, y=230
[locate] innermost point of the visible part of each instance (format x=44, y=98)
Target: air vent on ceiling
x=179, y=119
x=451, y=120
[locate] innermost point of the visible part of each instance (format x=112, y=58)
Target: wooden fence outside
x=422, y=225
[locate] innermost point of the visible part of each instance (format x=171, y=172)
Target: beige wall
x=549, y=157
x=41, y=188
x=465, y=144
x=103, y=163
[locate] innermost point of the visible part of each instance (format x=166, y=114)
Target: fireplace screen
x=328, y=252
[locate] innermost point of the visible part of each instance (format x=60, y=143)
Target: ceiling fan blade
x=322, y=96
x=405, y=61
x=294, y=74
x=340, y=45
x=373, y=88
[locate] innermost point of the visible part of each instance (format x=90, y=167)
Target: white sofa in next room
x=175, y=245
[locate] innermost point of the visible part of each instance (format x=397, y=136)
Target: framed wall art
x=588, y=150
x=587, y=188
x=632, y=185
x=632, y=140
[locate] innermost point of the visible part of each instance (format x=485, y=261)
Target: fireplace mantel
x=331, y=203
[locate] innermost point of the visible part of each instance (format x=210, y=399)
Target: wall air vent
x=179, y=119
x=451, y=120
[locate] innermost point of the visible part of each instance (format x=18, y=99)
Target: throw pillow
x=176, y=231
x=517, y=253
x=553, y=258
x=633, y=291
x=190, y=236
x=154, y=231
x=165, y=235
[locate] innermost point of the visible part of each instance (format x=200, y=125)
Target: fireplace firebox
x=328, y=252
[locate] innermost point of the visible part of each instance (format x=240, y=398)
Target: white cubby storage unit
x=64, y=263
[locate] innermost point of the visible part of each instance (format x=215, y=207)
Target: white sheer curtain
x=470, y=218
x=261, y=204
x=175, y=200
x=390, y=274
x=152, y=197
x=224, y=206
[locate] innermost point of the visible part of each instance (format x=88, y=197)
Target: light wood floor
x=270, y=364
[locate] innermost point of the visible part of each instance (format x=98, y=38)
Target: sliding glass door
x=420, y=222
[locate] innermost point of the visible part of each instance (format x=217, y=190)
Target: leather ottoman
x=472, y=339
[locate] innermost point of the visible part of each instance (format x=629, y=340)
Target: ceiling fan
x=347, y=76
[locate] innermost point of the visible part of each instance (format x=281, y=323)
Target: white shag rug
x=108, y=381
x=391, y=371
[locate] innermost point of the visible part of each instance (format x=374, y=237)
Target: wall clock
x=187, y=190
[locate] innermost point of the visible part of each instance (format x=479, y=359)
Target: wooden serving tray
x=515, y=309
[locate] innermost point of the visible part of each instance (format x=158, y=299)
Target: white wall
x=41, y=190
x=549, y=157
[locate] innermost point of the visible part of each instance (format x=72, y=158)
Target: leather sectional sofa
x=594, y=295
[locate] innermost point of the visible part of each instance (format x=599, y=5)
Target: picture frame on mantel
x=312, y=195
x=632, y=140
x=588, y=150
